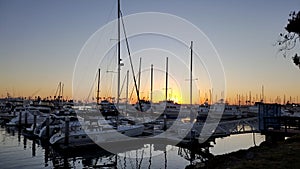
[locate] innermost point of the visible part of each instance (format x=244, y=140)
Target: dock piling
x=34, y=120
x=67, y=123
x=20, y=118
x=26, y=120
x=47, y=128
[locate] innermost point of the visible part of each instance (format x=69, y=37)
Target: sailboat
x=100, y=130
x=98, y=134
x=142, y=104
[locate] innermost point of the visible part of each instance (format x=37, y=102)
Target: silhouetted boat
x=99, y=133
x=26, y=116
x=108, y=109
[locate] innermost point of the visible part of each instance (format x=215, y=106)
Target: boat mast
x=262, y=92
x=166, y=79
x=165, y=115
x=151, y=83
x=59, y=93
x=119, y=55
x=130, y=59
x=62, y=93
x=191, y=83
x=191, y=73
x=98, y=91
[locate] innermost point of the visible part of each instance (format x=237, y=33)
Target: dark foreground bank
x=280, y=155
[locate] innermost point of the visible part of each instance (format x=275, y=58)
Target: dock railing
x=286, y=124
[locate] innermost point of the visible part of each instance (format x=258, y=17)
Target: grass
x=282, y=155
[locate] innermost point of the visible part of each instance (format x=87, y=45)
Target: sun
x=176, y=97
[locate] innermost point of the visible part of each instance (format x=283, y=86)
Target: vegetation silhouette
x=288, y=40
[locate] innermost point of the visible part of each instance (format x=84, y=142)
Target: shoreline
x=279, y=155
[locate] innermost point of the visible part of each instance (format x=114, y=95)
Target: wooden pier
x=275, y=126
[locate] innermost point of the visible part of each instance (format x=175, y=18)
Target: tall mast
x=119, y=55
x=98, y=91
x=59, y=94
x=191, y=84
x=164, y=113
x=59, y=89
x=166, y=79
x=250, y=98
x=191, y=73
x=262, y=92
x=151, y=84
x=62, y=93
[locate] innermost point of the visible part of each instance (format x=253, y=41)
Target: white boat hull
x=84, y=137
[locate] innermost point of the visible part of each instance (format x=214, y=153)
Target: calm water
x=17, y=151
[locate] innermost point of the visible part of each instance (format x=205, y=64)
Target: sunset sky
x=42, y=41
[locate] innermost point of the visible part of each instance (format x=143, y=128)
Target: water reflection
x=35, y=154
x=139, y=156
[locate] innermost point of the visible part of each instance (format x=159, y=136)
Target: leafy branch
x=288, y=40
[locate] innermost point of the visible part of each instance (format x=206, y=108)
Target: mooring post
x=285, y=125
x=26, y=116
x=165, y=122
x=33, y=150
x=67, y=123
x=20, y=118
x=47, y=128
x=34, y=121
x=25, y=142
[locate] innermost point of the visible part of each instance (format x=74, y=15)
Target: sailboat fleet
x=104, y=122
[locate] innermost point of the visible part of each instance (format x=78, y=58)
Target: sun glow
x=176, y=97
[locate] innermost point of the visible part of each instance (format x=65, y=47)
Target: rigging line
x=122, y=86
x=145, y=86
x=130, y=59
x=56, y=90
x=145, y=82
x=92, y=88
x=132, y=90
x=34, y=93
